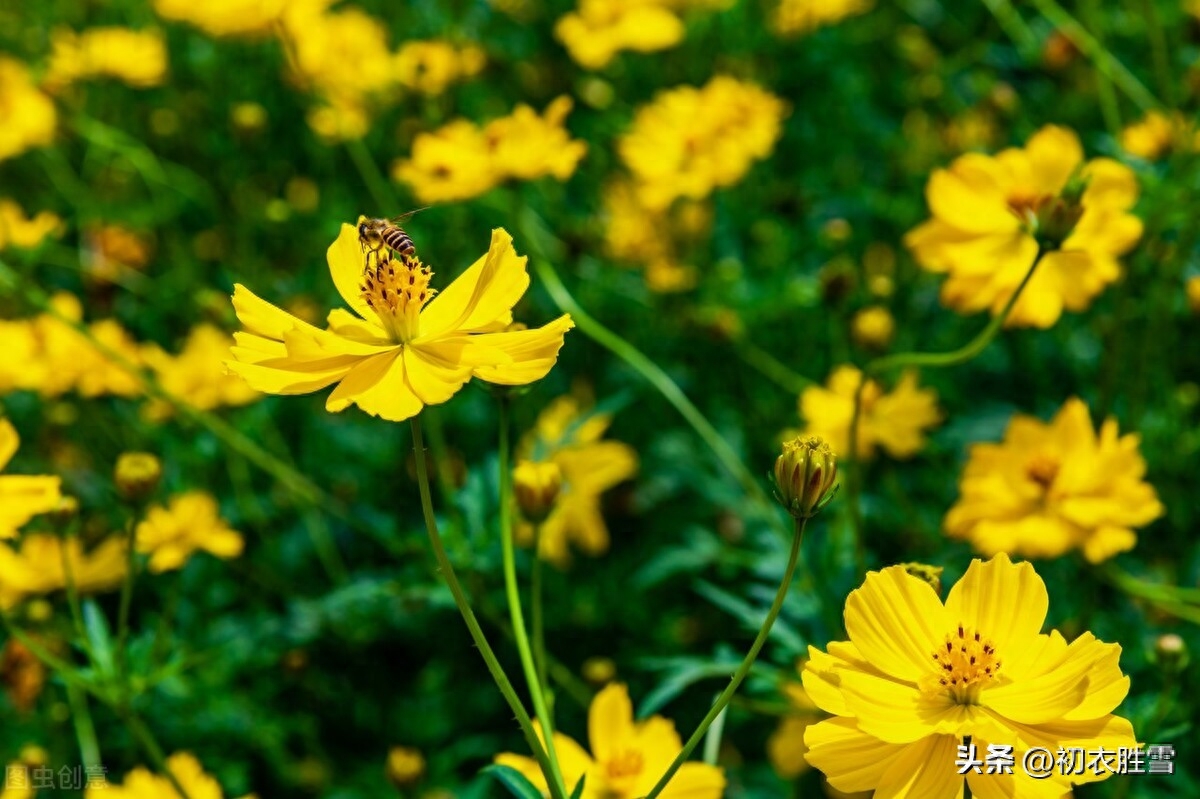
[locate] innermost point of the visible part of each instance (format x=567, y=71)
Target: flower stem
x=127, y=597
x=535, y=591
x=537, y=687
x=464, y=607
x=743, y=669
x=85, y=730
x=150, y=746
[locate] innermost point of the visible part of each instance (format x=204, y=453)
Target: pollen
x=965, y=660
x=396, y=288
x=1042, y=469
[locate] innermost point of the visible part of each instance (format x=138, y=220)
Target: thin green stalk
x=1160, y=51
x=539, y=627
x=537, y=688
x=85, y=730
x=712, y=741
x=150, y=746
x=381, y=193
x=1016, y=28
x=73, y=603
x=127, y=595
x=770, y=367
x=1110, y=109
x=464, y=607
x=743, y=669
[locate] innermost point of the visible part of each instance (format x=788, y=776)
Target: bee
x=376, y=234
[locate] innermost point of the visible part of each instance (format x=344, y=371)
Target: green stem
x=743, y=669
x=381, y=192
x=127, y=596
x=539, y=627
x=149, y=744
x=537, y=688
x=1159, y=51
x=772, y=369
x=464, y=607
x=1016, y=28
x=85, y=730
x=1109, y=107
x=73, y=603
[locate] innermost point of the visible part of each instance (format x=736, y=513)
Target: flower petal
x=850, y=759
x=481, y=298
x=610, y=721
x=378, y=386
x=346, y=262
x=1005, y=603
x=1054, y=153
x=895, y=621
x=9, y=441
x=695, y=781
x=533, y=352
x=1060, y=687
x=900, y=713
x=432, y=379
x=925, y=769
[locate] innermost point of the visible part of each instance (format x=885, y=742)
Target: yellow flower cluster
x=137, y=58
x=19, y=230
x=566, y=435
x=21, y=496
x=651, y=236
x=430, y=67
x=224, y=17
x=599, y=29
x=990, y=212
x=1050, y=488
x=627, y=757
x=142, y=783
x=689, y=141
x=917, y=677
x=463, y=160
x=798, y=17
x=35, y=566
x=197, y=375
x=48, y=355
x=191, y=521
x=29, y=115
x=896, y=420
x=1157, y=134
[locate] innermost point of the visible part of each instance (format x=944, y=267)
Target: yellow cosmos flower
x=35, y=566
x=1050, y=488
x=21, y=497
x=689, y=141
x=402, y=348
x=19, y=230
x=798, y=17
x=989, y=210
x=190, y=522
x=627, y=757
x=29, y=115
x=224, y=17
x=197, y=375
x=651, y=237
x=430, y=67
x=1157, y=134
x=144, y=784
x=917, y=677
x=137, y=58
x=526, y=146
x=896, y=421
x=599, y=29
x=569, y=438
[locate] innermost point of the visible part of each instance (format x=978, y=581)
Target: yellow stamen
x=396, y=289
x=965, y=662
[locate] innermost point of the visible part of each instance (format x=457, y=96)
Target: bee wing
x=397, y=219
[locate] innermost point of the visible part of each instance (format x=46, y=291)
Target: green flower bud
x=805, y=476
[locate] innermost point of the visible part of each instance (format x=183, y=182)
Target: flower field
x=599, y=399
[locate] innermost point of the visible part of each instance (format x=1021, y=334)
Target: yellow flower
x=430, y=67
x=873, y=327
x=1157, y=134
x=402, y=348
x=114, y=251
x=452, y=163
x=21, y=497
x=988, y=212
x=19, y=230
x=339, y=118
x=35, y=567
x=137, y=58
x=536, y=487
x=1050, y=488
x=599, y=29
x=895, y=421
x=917, y=677
x=29, y=115
x=689, y=141
x=197, y=375
x=650, y=236
x=786, y=747
x=628, y=757
x=17, y=782
x=798, y=17
x=405, y=765
x=144, y=784
x=224, y=17
x=566, y=436
x=526, y=146
x=190, y=522
x=1192, y=289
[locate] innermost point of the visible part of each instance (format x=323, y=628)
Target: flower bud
x=536, y=486
x=805, y=476
x=137, y=475
x=599, y=670
x=1170, y=653
x=873, y=328
x=405, y=765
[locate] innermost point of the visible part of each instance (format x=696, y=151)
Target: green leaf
x=578, y=792
x=99, y=639
x=514, y=781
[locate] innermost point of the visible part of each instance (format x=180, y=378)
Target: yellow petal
x=1054, y=153
x=275, y=380
x=898, y=712
x=481, y=298
x=24, y=496
x=695, y=781
x=1059, y=689
x=346, y=261
x=925, y=769
x=896, y=620
x=1110, y=185
x=432, y=379
x=9, y=441
x=1018, y=785
x=1109, y=732
x=347, y=325
x=968, y=203
x=378, y=386
x=261, y=317
x=1005, y=603
x=533, y=353
x=850, y=759
x=610, y=721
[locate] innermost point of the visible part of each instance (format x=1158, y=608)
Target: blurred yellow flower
x=990, y=211
x=21, y=497
x=19, y=230
x=786, y=747
x=190, y=522
x=224, y=17
x=570, y=438
x=1192, y=289
x=873, y=327
x=142, y=783
x=647, y=236
x=405, y=765
x=461, y=160
x=112, y=251
x=197, y=375
x=29, y=115
x=689, y=141
x=17, y=782
x=35, y=566
x=919, y=682
x=1049, y=488
x=798, y=17
x=1157, y=134
x=137, y=58
x=339, y=118
x=628, y=757
x=896, y=421
x=599, y=29
x=430, y=67
x=403, y=348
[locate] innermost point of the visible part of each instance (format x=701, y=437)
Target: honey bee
x=376, y=234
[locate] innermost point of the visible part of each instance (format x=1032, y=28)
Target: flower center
x=621, y=769
x=1042, y=469
x=1025, y=208
x=396, y=290
x=966, y=661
